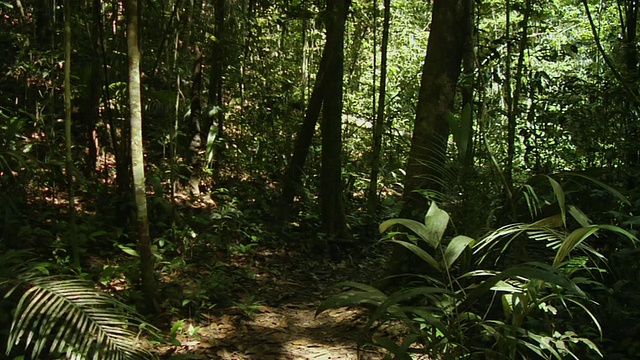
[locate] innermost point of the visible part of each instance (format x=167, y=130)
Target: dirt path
x=280, y=323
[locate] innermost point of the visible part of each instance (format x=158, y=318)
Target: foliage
x=513, y=309
x=58, y=315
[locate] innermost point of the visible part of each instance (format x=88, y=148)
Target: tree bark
x=372, y=197
x=303, y=140
x=196, y=151
x=426, y=163
x=73, y=240
x=216, y=80
x=513, y=105
x=90, y=103
x=137, y=160
x=331, y=204
x=217, y=64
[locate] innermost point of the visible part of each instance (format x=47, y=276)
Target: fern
x=67, y=316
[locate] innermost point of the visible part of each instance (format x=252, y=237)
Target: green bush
x=484, y=301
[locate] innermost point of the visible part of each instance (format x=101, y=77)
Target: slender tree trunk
x=75, y=250
x=372, y=197
x=331, y=203
x=216, y=79
x=195, y=147
x=631, y=55
x=303, y=140
x=426, y=164
x=630, y=37
x=217, y=63
x=137, y=159
x=508, y=172
x=513, y=105
x=467, y=86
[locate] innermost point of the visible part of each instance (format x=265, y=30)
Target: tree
x=137, y=159
x=372, y=196
x=75, y=251
x=333, y=218
x=513, y=98
x=426, y=164
x=216, y=85
x=195, y=146
x=427, y=157
x=303, y=139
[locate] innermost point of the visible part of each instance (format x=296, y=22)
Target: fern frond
x=70, y=316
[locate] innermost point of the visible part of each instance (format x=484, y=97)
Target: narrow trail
x=286, y=290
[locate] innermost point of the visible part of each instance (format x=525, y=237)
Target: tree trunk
x=427, y=156
x=303, y=140
x=372, y=197
x=90, y=103
x=196, y=159
x=467, y=86
x=426, y=164
x=43, y=11
x=73, y=240
x=332, y=212
x=513, y=108
x=215, y=97
x=217, y=71
x=137, y=160
x=631, y=56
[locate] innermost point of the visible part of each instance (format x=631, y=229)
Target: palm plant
x=67, y=316
x=496, y=309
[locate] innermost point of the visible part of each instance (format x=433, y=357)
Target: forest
x=319, y=179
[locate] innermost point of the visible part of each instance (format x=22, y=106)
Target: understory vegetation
x=238, y=179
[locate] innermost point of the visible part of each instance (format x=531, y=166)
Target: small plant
x=249, y=306
x=177, y=330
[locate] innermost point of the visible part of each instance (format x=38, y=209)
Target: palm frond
x=69, y=316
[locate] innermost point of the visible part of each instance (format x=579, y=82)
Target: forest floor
x=279, y=321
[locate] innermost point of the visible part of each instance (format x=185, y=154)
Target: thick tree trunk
x=427, y=156
x=137, y=160
x=332, y=212
x=372, y=196
x=90, y=103
x=303, y=140
x=426, y=164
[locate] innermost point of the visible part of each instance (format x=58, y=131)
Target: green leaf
x=436, y=222
x=417, y=228
x=608, y=188
x=406, y=294
x=69, y=315
x=579, y=235
x=528, y=271
x=465, y=130
x=571, y=241
x=365, y=295
x=419, y=252
x=559, y=194
x=580, y=217
x=455, y=248
x=128, y=250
